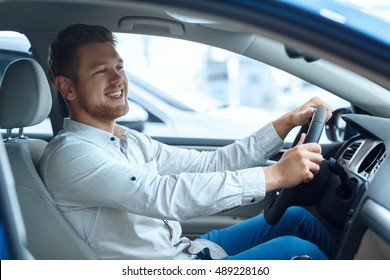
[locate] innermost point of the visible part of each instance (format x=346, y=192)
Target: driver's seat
x=25, y=100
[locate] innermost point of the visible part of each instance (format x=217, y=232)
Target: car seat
x=25, y=100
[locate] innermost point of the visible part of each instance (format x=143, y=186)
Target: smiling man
x=97, y=94
x=125, y=193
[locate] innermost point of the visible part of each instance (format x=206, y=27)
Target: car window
x=197, y=91
x=13, y=46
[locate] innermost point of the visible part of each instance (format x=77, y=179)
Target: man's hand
x=299, y=164
x=299, y=116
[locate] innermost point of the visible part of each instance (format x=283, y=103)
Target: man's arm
x=302, y=162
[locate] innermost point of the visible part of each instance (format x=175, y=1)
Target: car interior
x=350, y=194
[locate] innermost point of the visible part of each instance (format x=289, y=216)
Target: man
x=125, y=193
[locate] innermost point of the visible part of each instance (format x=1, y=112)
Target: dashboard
x=364, y=191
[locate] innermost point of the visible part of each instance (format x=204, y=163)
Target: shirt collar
x=96, y=134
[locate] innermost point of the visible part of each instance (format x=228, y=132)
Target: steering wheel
x=277, y=202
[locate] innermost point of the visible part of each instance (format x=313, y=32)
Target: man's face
x=101, y=88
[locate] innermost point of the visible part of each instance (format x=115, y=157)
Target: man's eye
x=101, y=71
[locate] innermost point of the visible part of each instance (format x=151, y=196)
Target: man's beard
x=103, y=112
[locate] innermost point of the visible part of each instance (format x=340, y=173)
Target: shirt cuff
x=254, y=185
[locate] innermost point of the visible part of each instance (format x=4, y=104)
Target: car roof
x=348, y=13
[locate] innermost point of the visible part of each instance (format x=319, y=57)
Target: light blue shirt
x=126, y=193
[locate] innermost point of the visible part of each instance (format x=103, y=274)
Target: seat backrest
x=25, y=100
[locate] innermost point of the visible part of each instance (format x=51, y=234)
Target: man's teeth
x=114, y=94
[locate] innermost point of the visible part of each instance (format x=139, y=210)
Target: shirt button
x=133, y=178
x=112, y=138
x=253, y=200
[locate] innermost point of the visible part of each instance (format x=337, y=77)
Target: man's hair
x=64, y=49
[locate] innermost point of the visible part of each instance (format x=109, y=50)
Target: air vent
x=373, y=160
x=351, y=150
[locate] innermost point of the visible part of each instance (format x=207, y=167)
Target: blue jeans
x=297, y=233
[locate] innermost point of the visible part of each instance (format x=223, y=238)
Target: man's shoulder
x=61, y=138
x=65, y=147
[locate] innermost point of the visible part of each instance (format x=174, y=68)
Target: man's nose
x=117, y=76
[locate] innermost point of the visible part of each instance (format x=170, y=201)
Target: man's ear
x=65, y=86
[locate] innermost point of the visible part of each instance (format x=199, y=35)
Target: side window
x=198, y=91
x=13, y=46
